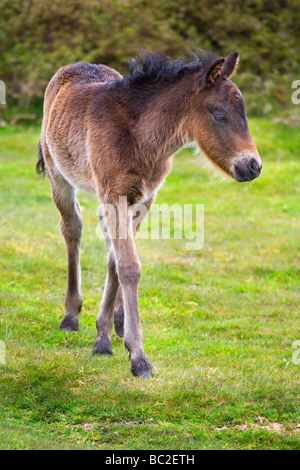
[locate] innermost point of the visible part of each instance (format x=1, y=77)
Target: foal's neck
x=162, y=129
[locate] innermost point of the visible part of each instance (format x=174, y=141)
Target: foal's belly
x=74, y=168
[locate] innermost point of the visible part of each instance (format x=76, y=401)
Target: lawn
x=218, y=323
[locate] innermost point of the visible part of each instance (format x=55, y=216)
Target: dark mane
x=153, y=66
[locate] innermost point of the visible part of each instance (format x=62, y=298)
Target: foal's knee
x=111, y=263
x=129, y=273
x=71, y=228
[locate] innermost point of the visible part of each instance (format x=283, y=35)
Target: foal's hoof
x=69, y=324
x=144, y=374
x=119, y=322
x=102, y=346
x=119, y=329
x=141, y=368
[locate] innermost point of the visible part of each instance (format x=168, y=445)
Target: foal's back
x=68, y=100
x=81, y=73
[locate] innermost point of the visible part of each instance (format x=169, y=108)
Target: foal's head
x=220, y=124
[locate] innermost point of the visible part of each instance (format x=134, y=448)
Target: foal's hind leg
x=63, y=195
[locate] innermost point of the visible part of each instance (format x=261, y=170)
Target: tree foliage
x=39, y=36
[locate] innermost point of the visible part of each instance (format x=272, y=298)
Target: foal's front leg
x=119, y=314
x=105, y=318
x=129, y=273
x=128, y=276
x=141, y=210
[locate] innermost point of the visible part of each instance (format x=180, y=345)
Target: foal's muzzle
x=247, y=171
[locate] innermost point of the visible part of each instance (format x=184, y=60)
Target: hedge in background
x=39, y=36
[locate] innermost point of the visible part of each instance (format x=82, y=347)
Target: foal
x=115, y=136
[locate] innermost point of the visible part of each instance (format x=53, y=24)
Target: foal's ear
x=213, y=72
x=231, y=64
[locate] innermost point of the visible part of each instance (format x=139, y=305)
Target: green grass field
x=218, y=323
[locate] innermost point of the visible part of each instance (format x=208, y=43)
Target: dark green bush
x=39, y=36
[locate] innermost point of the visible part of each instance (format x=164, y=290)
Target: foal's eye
x=219, y=117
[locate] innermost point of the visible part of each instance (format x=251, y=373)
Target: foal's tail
x=40, y=166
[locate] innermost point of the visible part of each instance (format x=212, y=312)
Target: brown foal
x=115, y=136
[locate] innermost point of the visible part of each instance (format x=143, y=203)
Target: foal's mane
x=155, y=67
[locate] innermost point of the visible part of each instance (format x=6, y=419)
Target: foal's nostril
x=254, y=167
x=247, y=171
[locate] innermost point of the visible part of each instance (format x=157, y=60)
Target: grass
x=218, y=323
